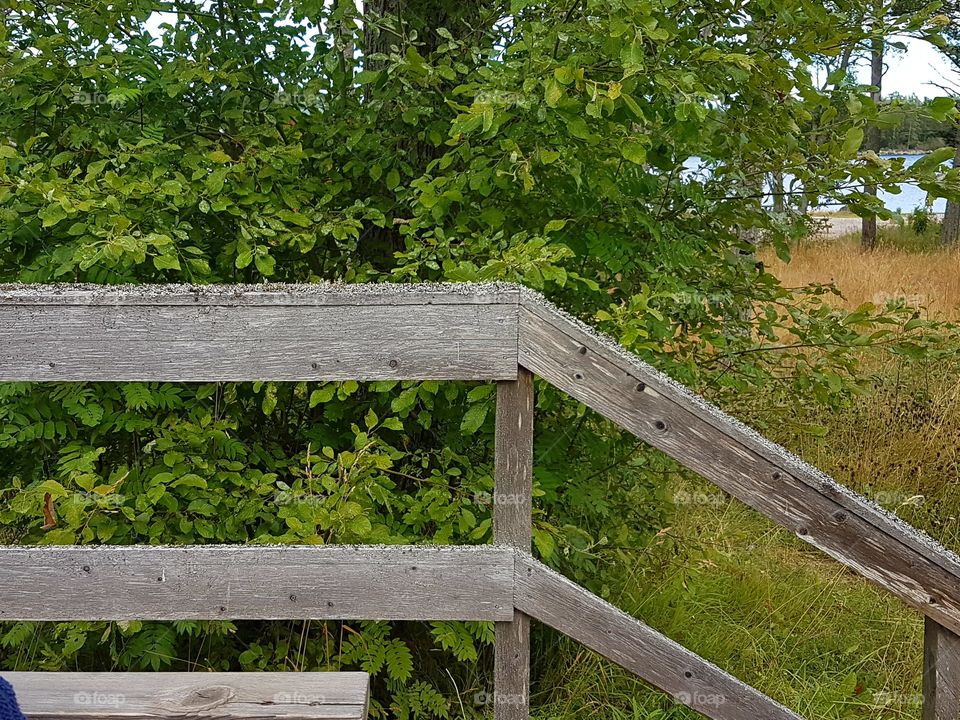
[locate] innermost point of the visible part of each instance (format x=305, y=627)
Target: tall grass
x=929, y=278
x=764, y=607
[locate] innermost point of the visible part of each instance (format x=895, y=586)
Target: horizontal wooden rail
x=395, y=582
x=638, y=398
x=305, y=332
x=193, y=696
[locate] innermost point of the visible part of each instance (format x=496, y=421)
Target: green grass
x=764, y=607
x=909, y=239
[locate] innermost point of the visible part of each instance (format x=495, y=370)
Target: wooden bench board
x=198, y=695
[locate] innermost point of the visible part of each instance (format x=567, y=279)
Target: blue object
x=9, y=710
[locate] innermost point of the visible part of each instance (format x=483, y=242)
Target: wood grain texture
x=512, y=524
x=941, y=673
x=512, y=527
x=202, y=343
x=877, y=545
x=555, y=601
x=281, y=294
x=399, y=582
x=198, y=696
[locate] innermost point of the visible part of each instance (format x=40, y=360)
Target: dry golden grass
x=930, y=280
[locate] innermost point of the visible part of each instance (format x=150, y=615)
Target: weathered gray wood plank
x=512, y=524
x=287, y=295
x=400, y=582
x=175, y=696
x=49, y=342
x=879, y=546
x=512, y=527
x=691, y=680
x=941, y=673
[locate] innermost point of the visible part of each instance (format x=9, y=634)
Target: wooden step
x=199, y=695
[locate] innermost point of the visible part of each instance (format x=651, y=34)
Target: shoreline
x=834, y=226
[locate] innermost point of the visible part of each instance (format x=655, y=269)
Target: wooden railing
x=474, y=332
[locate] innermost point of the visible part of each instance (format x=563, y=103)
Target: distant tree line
x=910, y=125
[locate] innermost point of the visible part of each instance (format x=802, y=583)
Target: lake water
x=909, y=198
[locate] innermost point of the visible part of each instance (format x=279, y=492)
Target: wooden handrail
x=256, y=582
x=185, y=333
x=848, y=527
x=477, y=332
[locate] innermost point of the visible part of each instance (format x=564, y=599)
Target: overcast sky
x=911, y=72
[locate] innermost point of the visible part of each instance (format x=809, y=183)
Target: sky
x=913, y=71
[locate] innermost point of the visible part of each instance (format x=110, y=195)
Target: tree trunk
x=403, y=23
x=950, y=230
x=868, y=238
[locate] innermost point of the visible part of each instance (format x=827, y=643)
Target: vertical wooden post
x=512, y=526
x=941, y=672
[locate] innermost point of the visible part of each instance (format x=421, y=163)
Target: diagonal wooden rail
x=475, y=332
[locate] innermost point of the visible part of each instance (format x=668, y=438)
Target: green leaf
x=52, y=214
x=634, y=152
x=166, y=262
x=548, y=157
x=852, y=141
x=940, y=107
x=473, y=418
x=214, y=183
x=295, y=218
x=266, y=264
x=564, y=75
x=323, y=395
x=932, y=160
x=634, y=107
x=552, y=93
x=393, y=423
x=577, y=127
x=365, y=77
x=190, y=480
x=219, y=156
